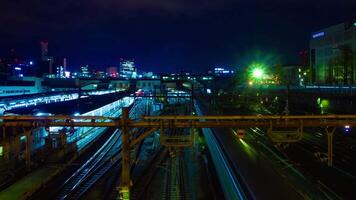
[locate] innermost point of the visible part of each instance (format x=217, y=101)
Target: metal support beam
x=3, y=131
x=167, y=122
x=183, y=121
x=28, y=149
x=330, y=135
x=142, y=136
x=124, y=189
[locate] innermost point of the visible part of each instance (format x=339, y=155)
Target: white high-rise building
x=127, y=69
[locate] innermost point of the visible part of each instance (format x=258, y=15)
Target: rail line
x=309, y=147
x=95, y=167
x=147, y=176
x=232, y=188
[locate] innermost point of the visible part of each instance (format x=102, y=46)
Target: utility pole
x=124, y=189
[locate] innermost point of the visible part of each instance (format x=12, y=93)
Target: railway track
x=183, y=189
x=91, y=170
x=107, y=156
x=175, y=184
x=142, y=183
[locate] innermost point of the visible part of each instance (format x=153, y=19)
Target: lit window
x=23, y=138
x=320, y=34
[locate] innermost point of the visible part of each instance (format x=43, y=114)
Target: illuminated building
x=44, y=50
x=65, y=64
x=100, y=75
x=60, y=72
x=291, y=75
x=127, y=69
x=67, y=74
x=332, y=54
x=46, y=62
x=84, y=72
x=218, y=71
x=21, y=86
x=14, y=66
x=112, y=72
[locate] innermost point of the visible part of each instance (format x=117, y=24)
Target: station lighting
x=257, y=73
x=324, y=103
x=347, y=128
x=40, y=114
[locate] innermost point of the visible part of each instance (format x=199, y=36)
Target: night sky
x=167, y=35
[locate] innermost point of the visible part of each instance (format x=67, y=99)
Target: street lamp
x=257, y=73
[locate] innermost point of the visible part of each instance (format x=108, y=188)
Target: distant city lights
x=67, y=74
x=220, y=70
x=320, y=34
x=43, y=114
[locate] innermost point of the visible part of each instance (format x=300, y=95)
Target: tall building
x=46, y=62
x=60, y=72
x=44, y=50
x=333, y=54
x=127, y=69
x=84, y=72
x=65, y=64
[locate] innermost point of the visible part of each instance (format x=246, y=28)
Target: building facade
x=333, y=55
x=112, y=72
x=127, y=69
x=46, y=62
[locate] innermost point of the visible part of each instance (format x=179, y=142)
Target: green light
x=1, y=151
x=244, y=143
x=257, y=73
x=248, y=149
x=324, y=103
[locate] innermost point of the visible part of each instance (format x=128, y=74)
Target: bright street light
x=257, y=73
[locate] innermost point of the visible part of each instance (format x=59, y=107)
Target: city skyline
x=167, y=37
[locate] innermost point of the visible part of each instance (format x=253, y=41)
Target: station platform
x=25, y=187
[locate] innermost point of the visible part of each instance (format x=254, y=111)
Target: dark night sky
x=167, y=35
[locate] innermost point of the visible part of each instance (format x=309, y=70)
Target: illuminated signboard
x=219, y=70
x=319, y=34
